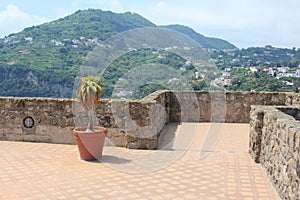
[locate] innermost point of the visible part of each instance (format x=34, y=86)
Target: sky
x=244, y=23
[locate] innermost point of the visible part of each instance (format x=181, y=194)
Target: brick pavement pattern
x=187, y=167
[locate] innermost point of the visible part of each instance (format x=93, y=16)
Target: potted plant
x=90, y=139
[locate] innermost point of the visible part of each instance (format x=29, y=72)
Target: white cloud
x=161, y=5
x=12, y=19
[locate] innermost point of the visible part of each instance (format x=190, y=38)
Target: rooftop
x=180, y=169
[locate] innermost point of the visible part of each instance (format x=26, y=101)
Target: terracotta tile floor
x=191, y=166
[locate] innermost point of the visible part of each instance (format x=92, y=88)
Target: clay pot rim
x=97, y=129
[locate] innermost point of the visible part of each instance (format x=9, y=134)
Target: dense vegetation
x=44, y=60
x=144, y=71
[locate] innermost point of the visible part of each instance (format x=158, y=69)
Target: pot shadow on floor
x=109, y=159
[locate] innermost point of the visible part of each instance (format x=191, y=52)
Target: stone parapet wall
x=292, y=99
x=131, y=123
x=275, y=143
x=229, y=107
x=52, y=118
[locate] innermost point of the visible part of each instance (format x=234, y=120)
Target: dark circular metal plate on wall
x=28, y=122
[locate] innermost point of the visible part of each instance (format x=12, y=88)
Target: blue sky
x=245, y=23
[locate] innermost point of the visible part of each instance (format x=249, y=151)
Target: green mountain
x=205, y=42
x=89, y=24
x=43, y=60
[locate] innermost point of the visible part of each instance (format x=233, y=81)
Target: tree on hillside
x=294, y=62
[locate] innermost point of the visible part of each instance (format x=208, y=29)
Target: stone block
x=116, y=137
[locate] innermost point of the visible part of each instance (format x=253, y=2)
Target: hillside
x=43, y=60
x=205, y=42
x=259, y=69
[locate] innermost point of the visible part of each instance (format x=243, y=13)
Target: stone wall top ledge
x=277, y=114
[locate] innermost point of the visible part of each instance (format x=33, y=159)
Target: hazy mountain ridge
x=205, y=42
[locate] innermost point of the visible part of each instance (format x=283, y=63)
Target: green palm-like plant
x=88, y=94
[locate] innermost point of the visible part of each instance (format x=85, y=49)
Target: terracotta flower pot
x=90, y=144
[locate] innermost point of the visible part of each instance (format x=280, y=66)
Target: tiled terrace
x=184, y=168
